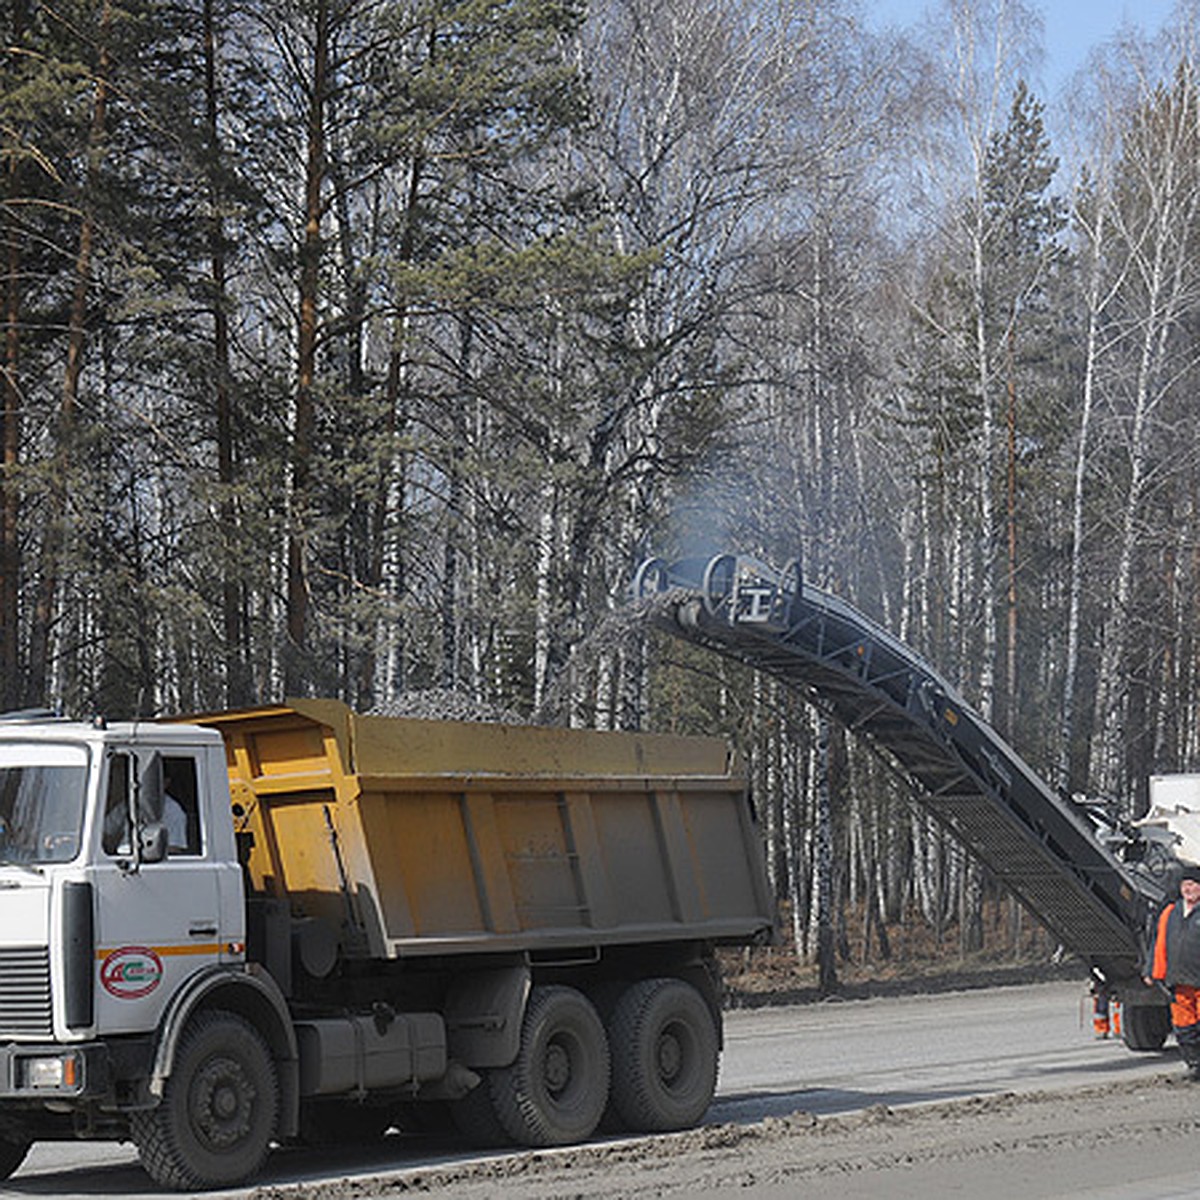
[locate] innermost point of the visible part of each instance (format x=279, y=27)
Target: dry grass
x=1013, y=951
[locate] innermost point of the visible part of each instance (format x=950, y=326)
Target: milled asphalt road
x=836, y=1057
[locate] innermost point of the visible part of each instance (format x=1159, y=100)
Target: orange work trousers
x=1185, y=1007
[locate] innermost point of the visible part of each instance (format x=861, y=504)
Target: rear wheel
x=1145, y=1026
x=664, y=1056
x=555, y=1092
x=219, y=1109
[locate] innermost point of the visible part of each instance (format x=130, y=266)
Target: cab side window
x=181, y=808
x=115, y=837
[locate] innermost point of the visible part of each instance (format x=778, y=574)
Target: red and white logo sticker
x=131, y=972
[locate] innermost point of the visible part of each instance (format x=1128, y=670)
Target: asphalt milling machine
x=1094, y=880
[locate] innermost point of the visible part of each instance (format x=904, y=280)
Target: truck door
x=157, y=923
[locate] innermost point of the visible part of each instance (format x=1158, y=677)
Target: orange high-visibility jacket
x=1175, y=958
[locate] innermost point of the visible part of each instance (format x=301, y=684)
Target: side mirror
x=150, y=788
x=150, y=839
x=152, y=842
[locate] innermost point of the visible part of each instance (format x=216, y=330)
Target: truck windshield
x=42, y=792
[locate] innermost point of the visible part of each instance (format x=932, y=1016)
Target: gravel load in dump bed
x=618, y=631
x=446, y=704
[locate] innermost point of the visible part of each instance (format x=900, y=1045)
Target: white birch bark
x=986, y=74
x=1099, y=292
x=1154, y=217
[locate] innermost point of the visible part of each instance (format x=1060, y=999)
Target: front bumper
x=48, y=1072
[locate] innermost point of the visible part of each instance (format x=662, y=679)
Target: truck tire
x=1145, y=1026
x=555, y=1092
x=219, y=1109
x=664, y=1056
x=12, y=1155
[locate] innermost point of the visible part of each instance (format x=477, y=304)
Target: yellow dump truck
x=298, y=922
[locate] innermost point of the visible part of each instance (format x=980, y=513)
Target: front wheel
x=219, y=1110
x=555, y=1092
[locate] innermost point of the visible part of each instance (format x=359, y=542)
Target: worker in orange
x=1106, y=1012
x=1175, y=962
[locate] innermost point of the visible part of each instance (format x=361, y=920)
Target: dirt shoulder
x=764, y=982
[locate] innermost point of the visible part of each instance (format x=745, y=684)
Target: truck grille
x=25, y=1008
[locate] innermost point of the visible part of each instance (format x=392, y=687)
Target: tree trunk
x=391, y=481
x=1075, y=586
x=298, y=665
x=238, y=688
x=10, y=504
x=456, y=452
x=1112, y=692
x=827, y=976
x=1159, y=215
x=1010, y=649
x=54, y=538
x=787, y=786
x=986, y=553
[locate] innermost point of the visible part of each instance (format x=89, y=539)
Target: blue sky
x=1071, y=27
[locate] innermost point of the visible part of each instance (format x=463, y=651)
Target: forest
x=363, y=348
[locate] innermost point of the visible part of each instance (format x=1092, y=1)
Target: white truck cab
x=119, y=891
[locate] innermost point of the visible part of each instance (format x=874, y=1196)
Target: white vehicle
x=511, y=926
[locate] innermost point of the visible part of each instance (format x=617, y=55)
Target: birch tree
x=1154, y=215
x=987, y=46
x=1101, y=272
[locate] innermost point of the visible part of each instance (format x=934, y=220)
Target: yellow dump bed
x=434, y=837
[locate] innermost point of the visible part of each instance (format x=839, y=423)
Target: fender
x=484, y=1010
x=705, y=976
x=252, y=993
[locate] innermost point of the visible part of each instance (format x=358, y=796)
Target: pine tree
x=1023, y=253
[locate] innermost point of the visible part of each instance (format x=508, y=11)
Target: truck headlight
x=58, y=1072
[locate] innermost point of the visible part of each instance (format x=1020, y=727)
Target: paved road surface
x=844, y=1056
x=833, y=1058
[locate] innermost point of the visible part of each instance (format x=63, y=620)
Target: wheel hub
x=222, y=1102
x=225, y=1102
x=670, y=1057
x=557, y=1067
